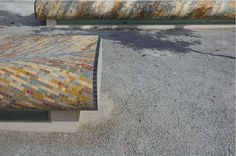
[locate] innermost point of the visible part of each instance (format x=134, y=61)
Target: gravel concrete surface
x=18, y=12
x=171, y=93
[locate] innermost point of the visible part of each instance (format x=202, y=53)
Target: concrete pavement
x=166, y=92
x=169, y=92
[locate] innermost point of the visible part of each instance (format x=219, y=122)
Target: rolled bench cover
x=135, y=9
x=40, y=72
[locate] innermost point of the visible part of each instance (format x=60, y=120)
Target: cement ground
x=169, y=92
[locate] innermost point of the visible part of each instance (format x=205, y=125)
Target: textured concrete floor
x=172, y=93
x=169, y=92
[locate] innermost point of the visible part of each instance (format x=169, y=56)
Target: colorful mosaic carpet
x=48, y=73
x=135, y=9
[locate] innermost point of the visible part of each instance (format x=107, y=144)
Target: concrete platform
x=60, y=121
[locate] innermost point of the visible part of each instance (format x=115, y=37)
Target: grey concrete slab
x=167, y=92
x=18, y=12
x=172, y=92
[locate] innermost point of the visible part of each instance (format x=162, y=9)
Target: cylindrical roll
x=40, y=72
x=135, y=9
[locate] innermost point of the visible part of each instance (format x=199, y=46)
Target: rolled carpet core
x=134, y=9
x=39, y=72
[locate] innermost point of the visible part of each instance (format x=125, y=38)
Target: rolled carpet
x=39, y=72
x=134, y=9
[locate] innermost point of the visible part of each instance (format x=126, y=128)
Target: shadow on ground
x=163, y=40
x=8, y=18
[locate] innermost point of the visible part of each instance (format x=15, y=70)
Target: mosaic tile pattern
x=48, y=73
x=135, y=9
